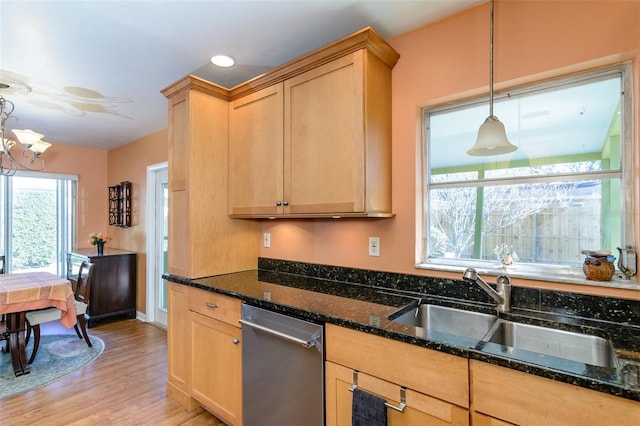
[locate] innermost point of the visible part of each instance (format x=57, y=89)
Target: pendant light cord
x=491, y=65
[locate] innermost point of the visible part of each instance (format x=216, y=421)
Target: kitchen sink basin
x=442, y=319
x=481, y=328
x=586, y=348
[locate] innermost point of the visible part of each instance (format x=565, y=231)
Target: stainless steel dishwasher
x=282, y=369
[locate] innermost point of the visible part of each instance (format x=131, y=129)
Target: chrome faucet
x=503, y=285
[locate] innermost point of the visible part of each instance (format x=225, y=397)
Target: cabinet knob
x=286, y=203
x=278, y=203
x=236, y=340
x=210, y=305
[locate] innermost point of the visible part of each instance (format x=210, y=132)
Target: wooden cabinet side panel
x=219, y=244
x=378, y=134
x=256, y=126
x=522, y=398
x=203, y=240
x=420, y=409
x=179, y=358
x=324, y=138
x=433, y=373
x=217, y=367
x=179, y=256
x=178, y=141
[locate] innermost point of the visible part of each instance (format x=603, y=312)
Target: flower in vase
x=99, y=238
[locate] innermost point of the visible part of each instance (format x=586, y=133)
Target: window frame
x=539, y=271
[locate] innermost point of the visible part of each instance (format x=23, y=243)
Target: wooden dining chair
x=2, y=272
x=41, y=316
x=3, y=336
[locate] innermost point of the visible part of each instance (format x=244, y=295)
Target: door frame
x=152, y=243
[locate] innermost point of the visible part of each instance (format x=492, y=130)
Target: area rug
x=59, y=355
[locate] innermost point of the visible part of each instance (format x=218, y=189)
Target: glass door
x=162, y=232
x=38, y=223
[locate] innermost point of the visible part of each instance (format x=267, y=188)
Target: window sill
x=558, y=274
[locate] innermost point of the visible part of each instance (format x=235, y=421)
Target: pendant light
x=492, y=138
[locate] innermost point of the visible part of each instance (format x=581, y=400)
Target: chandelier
x=30, y=141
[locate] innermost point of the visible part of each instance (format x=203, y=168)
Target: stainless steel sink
x=586, y=348
x=441, y=319
x=433, y=320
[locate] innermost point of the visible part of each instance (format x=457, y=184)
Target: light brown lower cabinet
x=205, y=351
x=525, y=399
x=436, y=384
x=205, y=368
x=216, y=365
x=420, y=409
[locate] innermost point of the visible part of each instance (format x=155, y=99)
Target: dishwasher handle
x=302, y=342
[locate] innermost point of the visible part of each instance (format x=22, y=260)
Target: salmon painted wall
x=449, y=60
x=129, y=163
x=90, y=165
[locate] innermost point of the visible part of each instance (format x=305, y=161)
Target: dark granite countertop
x=367, y=308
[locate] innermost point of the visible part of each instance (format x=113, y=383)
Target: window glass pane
x=561, y=123
x=34, y=222
x=548, y=222
x=560, y=192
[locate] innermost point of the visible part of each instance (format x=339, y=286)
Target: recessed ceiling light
x=223, y=61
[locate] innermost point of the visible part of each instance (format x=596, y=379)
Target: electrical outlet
x=266, y=242
x=374, y=246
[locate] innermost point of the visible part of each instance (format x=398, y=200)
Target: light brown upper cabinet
x=315, y=140
x=203, y=239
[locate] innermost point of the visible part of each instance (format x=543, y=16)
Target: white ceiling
x=89, y=73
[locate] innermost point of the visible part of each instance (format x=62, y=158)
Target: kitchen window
x=566, y=188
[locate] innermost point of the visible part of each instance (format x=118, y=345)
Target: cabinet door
x=255, y=152
x=420, y=409
x=216, y=359
x=113, y=290
x=324, y=138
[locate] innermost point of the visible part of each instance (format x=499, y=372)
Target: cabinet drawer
x=522, y=398
x=420, y=409
x=431, y=372
x=216, y=306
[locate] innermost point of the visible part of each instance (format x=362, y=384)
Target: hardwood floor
x=125, y=385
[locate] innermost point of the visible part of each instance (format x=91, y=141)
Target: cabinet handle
x=403, y=394
x=278, y=203
x=236, y=340
x=286, y=203
x=210, y=305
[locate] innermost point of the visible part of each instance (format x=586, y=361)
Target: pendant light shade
x=492, y=138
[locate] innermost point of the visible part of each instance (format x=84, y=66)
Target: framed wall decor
x=120, y=205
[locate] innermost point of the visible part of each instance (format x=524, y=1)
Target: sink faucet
x=503, y=285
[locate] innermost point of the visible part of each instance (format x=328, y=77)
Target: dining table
x=28, y=291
